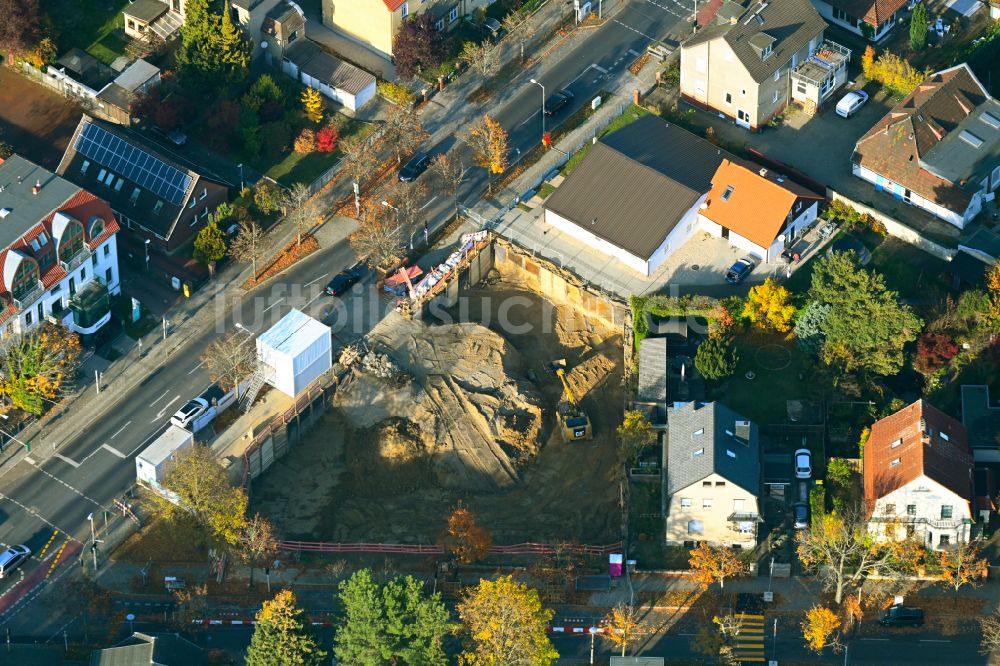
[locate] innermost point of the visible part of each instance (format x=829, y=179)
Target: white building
x=59, y=258
x=872, y=19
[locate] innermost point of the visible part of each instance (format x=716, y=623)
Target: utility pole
x=164, y=328
x=592, y=635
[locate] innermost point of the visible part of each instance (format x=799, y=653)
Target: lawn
x=89, y=25
x=299, y=168
x=781, y=371
x=632, y=113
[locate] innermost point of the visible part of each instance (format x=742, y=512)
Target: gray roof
x=692, y=457
x=146, y=11
x=956, y=159
x=791, y=24
x=635, y=184
x=319, y=64
x=86, y=69
x=980, y=418
x=115, y=95
x=653, y=364
x=151, y=650
x=136, y=74
x=17, y=178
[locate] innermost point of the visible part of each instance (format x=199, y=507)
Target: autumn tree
x=868, y=61
x=484, y=58
x=818, y=627
x=711, y=564
x=283, y=636
x=391, y=623
x=520, y=28
x=918, y=27
x=403, y=132
x=204, y=495
x=256, y=543
x=378, y=237
x=962, y=564
x=299, y=209
x=38, y=365
x=768, y=306
x=22, y=27
x=190, y=605
x=209, y=244
x=488, y=140
x=634, y=434
x=230, y=359
x=418, y=46
x=266, y=197
x=249, y=245
x=327, y=138
x=305, y=142
x=993, y=297
x=990, y=642
x=449, y=171
x=622, y=626
x=312, y=104
x=934, y=350
x=505, y=625
x=716, y=358
x=464, y=538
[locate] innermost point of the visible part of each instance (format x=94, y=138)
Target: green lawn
x=299, y=168
x=631, y=114
x=762, y=399
x=89, y=25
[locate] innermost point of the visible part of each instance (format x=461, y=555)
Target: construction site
x=506, y=402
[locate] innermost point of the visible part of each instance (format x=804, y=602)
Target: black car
x=343, y=281
x=416, y=166
x=557, y=101
x=742, y=268
x=902, y=616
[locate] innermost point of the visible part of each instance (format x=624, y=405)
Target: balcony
x=937, y=524
x=825, y=70
x=82, y=255
x=27, y=295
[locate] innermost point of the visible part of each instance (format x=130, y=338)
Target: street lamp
x=26, y=445
x=240, y=166
x=147, y=254
x=543, y=105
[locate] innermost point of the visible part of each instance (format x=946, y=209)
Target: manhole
x=695, y=267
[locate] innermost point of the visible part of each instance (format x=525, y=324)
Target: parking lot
x=37, y=122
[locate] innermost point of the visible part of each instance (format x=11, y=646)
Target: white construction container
x=295, y=352
x=151, y=464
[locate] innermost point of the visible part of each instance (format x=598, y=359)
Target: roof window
x=731, y=454
x=728, y=193
x=894, y=462
x=896, y=443
x=970, y=139
x=990, y=120
x=698, y=433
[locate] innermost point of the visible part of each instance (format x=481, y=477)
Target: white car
x=12, y=558
x=803, y=464
x=189, y=412
x=851, y=102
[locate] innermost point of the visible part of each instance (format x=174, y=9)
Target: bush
x=396, y=93
x=327, y=138
x=896, y=74
x=305, y=143
x=716, y=358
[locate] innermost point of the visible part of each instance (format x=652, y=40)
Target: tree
x=818, y=626
x=918, y=27
x=714, y=565
x=866, y=327
x=449, y=170
x=282, y=636
x=403, y=132
x=505, y=625
x=37, y=365
x=327, y=138
x=895, y=73
x=230, y=358
x=809, y=327
x=266, y=197
x=312, y=104
x=464, y=538
x=359, y=159
x=934, y=350
x=248, y=246
x=205, y=494
x=488, y=140
x=622, y=625
x=378, y=237
x=209, y=244
x=520, y=28
x=190, y=604
x=418, y=46
x=634, y=434
x=716, y=358
x=22, y=28
x=6, y=150
x=768, y=306
x=234, y=49
x=484, y=58
x=868, y=61
x=305, y=142
x=391, y=623
x=299, y=209
x=990, y=641
x=199, y=55
x=961, y=564
x=256, y=543
x=993, y=297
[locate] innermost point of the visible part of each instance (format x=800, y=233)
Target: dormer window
x=896, y=443
x=767, y=52
x=699, y=453
x=158, y=207
x=763, y=44
x=728, y=193
x=895, y=461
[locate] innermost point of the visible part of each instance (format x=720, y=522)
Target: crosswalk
x=749, y=646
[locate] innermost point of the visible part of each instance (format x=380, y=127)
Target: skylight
x=970, y=139
x=728, y=193
x=990, y=120
x=895, y=461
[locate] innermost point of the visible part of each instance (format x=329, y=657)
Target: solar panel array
x=146, y=171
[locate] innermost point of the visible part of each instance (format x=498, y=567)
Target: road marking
x=934, y=640
x=528, y=119
x=55, y=560
x=60, y=481
x=195, y=368
x=114, y=451
x=119, y=431
x=429, y=202
x=160, y=414
x=638, y=32
x=29, y=460
x=68, y=461
x=317, y=279
x=886, y=640
x=465, y=171
x=35, y=513
x=41, y=555
x=277, y=302
x=159, y=399
x=599, y=68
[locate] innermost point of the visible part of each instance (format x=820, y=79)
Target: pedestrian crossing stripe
x=55, y=560
x=41, y=555
x=749, y=646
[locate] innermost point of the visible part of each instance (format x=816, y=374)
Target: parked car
x=174, y=136
x=416, y=166
x=191, y=410
x=343, y=281
x=801, y=511
x=902, y=616
x=12, y=558
x=803, y=464
x=850, y=103
x=742, y=268
x=557, y=101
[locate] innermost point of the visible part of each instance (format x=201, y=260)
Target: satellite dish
x=263, y=45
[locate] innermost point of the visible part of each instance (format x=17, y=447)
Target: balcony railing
x=82, y=255
x=25, y=297
x=828, y=59
x=938, y=524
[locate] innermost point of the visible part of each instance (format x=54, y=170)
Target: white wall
x=826, y=11
x=717, y=528
x=567, y=227
x=928, y=496
x=957, y=219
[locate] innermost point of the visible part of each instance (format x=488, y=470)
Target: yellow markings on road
x=749, y=647
x=55, y=560
x=45, y=548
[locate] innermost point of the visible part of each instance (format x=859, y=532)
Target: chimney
x=37, y=187
x=733, y=20
x=763, y=172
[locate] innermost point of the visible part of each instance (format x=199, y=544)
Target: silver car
x=12, y=558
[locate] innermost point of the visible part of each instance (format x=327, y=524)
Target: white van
x=12, y=558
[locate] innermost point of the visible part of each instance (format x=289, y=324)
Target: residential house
x=871, y=19
x=375, y=23
x=713, y=467
x=141, y=649
x=162, y=17
x=745, y=64
x=155, y=197
x=58, y=251
x=641, y=192
x=918, y=477
x=981, y=418
x=938, y=149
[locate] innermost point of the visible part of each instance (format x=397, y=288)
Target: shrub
x=396, y=93
x=716, y=358
x=327, y=138
x=305, y=143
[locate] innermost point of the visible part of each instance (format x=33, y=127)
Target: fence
x=324, y=178
x=528, y=548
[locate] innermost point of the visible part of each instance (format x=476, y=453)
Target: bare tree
x=231, y=358
x=449, y=170
x=359, y=162
x=299, y=209
x=484, y=58
x=145, y=46
x=406, y=199
x=256, y=543
x=248, y=246
x=519, y=27
x=191, y=604
x=991, y=633
x=404, y=133
x=378, y=237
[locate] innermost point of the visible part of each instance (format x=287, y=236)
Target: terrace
x=815, y=79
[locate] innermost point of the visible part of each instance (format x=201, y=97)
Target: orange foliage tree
x=818, y=628
x=768, y=306
x=37, y=365
x=993, y=292
x=622, y=626
x=962, y=565
x=464, y=538
x=714, y=565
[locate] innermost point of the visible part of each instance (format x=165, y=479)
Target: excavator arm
x=561, y=373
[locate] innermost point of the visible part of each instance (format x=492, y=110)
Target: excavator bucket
x=558, y=364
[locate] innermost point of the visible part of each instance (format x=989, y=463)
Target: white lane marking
x=885, y=640
x=159, y=399
x=162, y=412
x=465, y=171
x=195, y=368
x=68, y=461
x=29, y=460
x=277, y=302
x=119, y=431
x=933, y=640
x=599, y=68
x=638, y=32
x=113, y=450
x=528, y=119
x=313, y=299
x=317, y=279
x=429, y=202
x=60, y=481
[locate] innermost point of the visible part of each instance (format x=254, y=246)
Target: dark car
x=902, y=616
x=801, y=511
x=557, y=101
x=416, y=166
x=738, y=271
x=343, y=281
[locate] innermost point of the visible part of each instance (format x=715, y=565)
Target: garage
x=340, y=81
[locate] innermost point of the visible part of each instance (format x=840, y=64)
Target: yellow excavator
x=574, y=424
